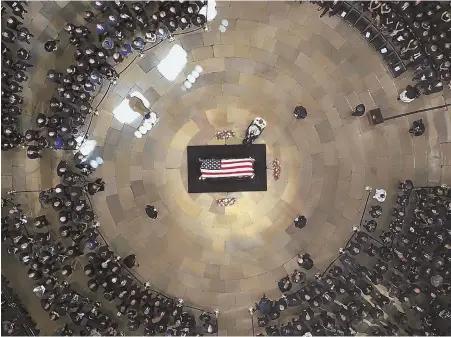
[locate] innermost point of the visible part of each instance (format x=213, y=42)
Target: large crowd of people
x=117, y=30
x=394, y=284
x=15, y=64
x=16, y=321
x=114, y=30
x=420, y=32
x=52, y=259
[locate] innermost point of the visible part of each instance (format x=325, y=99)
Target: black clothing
x=88, y=16
x=23, y=54
x=151, y=212
x=417, y=128
x=412, y=92
x=96, y=186
x=285, y=284
x=66, y=270
x=33, y=152
x=306, y=263
x=300, y=221
x=51, y=46
x=13, y=23
x=130, y=261
x=359, y=110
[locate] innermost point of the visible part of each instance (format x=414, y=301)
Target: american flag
x=227, y=168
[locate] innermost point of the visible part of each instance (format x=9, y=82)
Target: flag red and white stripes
x=227, y=168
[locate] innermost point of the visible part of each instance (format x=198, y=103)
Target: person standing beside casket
x=254, y=131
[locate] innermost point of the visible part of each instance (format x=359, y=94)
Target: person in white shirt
x=380, y=195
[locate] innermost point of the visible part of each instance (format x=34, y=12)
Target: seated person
x=298, y=277
x=263, y=321
x=272, y=330
x=292, y=300
x=282, y=303
x=305, y=261
x=285, y=284
x=287, y=330
x=275, y=313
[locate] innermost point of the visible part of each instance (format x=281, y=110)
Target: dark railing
x=352, y=13
x=418, y=111
x=19, y=320
x=336, y=258
x=213, y=314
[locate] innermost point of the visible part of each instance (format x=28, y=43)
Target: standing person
x=300, y=221
x=380, y=195
x=33, y=152
x=409, y=94
x=130, y=261
x=51, y=46
x=96, y=186
x=151, y=212
x=359, y=110
x=300, y=112
x=265, y=305
x=417, y=128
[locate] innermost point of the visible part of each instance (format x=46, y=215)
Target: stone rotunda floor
x=272, y=57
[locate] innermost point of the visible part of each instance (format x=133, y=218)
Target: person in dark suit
x=300, y=112
x=359, y=110
x=417, y=128
x=300, y=221
x=285, y=284
x=151, y=212
x=51, y=46
x=130, y=261
x=305, y=261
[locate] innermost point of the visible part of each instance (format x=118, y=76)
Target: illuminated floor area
x=272, y=57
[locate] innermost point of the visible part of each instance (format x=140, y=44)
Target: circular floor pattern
x=272, y=57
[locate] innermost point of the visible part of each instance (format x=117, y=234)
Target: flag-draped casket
x=239, y=168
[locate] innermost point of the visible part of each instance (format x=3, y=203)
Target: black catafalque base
x=256, y=151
